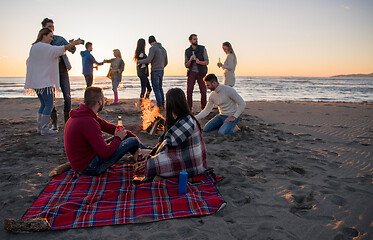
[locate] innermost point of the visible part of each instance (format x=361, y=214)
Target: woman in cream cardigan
x=42, y=75
x=229, y=65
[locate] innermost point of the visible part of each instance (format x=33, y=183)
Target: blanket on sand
x=72, y=201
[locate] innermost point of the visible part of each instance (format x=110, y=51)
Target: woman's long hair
x=139, y=49
x=117, y=53
x=176, y=103
x=42, y=32
x=230, y=49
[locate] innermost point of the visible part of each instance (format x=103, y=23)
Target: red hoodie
x=83, y=137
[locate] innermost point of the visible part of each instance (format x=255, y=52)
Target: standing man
x=230, y=105
x=64, y=67
x=158, y=58
x=196, y=60
x=86, y=149
x=88, y=60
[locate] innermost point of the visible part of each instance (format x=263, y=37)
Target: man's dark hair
x=191, y=36
x=92, y=95
x=45, y=21
x=87, y=45
x=210, y=78
x=151, y=39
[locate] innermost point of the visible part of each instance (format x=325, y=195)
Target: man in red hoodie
x=86, y=149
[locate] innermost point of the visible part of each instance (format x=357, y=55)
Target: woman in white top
x=229, y=65
x=42, y=75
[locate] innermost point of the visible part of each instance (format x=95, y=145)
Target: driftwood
x=26, y=225
x=60, y=169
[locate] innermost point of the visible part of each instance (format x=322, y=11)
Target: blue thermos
x=183, y=180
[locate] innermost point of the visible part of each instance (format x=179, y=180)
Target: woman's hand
x=220, y=64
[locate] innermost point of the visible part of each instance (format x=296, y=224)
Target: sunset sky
x=270, y=37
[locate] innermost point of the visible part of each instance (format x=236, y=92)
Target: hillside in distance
x=370, y=75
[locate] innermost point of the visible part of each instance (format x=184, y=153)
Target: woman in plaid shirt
x=181, y=147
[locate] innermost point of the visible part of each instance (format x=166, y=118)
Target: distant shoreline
x=370, y=75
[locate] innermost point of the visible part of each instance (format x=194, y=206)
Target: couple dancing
x=158, y=59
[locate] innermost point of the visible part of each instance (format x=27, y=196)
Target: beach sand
x=296, y=170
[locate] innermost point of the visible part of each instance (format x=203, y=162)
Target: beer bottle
x=120, y=123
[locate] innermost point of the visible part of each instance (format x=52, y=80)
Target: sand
x=296, y=170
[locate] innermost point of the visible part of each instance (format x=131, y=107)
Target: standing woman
x=229, y=65
x=42, y=75
x=142, y=69
x=181, y=147
x=115, y=72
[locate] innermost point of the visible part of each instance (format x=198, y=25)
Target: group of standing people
x=157, y=57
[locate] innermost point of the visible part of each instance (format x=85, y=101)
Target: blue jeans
x=157, y=78
x=99, y=164
x=46, y=102
x=218, y=122
x=65, y=88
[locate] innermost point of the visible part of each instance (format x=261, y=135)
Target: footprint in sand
x=347, y=233
x=337, y=200
x=298, y=170
x=302, y=202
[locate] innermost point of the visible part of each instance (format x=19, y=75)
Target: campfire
x=152, y=121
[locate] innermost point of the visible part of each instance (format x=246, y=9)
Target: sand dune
x=296, y=170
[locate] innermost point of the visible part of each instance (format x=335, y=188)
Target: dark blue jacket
x=88, y=60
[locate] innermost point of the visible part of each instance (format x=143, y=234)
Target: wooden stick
x=60, y=169
x=29, y=225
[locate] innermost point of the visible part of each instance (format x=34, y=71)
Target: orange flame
x=149, y=113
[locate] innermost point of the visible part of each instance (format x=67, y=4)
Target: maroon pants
x=192, y=78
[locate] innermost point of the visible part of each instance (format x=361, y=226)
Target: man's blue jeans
x=218, y=122
x=46, y=101
x=157, y=78
x=99, y=164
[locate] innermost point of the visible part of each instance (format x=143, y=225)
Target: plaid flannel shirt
x=181, y=149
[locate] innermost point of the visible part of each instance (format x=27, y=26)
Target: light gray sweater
x=229, y=102
x=157, y=57
x=229, y=67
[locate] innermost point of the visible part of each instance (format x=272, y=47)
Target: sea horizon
x=251, y=88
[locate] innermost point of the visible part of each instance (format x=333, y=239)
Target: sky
x=317, y=38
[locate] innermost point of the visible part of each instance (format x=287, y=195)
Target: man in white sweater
x=230, y=105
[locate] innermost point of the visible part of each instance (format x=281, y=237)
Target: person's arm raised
x=73, y=43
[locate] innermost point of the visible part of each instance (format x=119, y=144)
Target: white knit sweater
x=229, y=102
x=42, y=67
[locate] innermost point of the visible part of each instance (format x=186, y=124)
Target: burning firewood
x=153, y=120
x=157, y=125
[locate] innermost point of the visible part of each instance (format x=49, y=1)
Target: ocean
x=315, y=89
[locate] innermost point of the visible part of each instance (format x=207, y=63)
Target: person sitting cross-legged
x=86, y=149
x=181, y=147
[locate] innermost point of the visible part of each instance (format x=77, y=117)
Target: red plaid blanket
x=70, y=201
